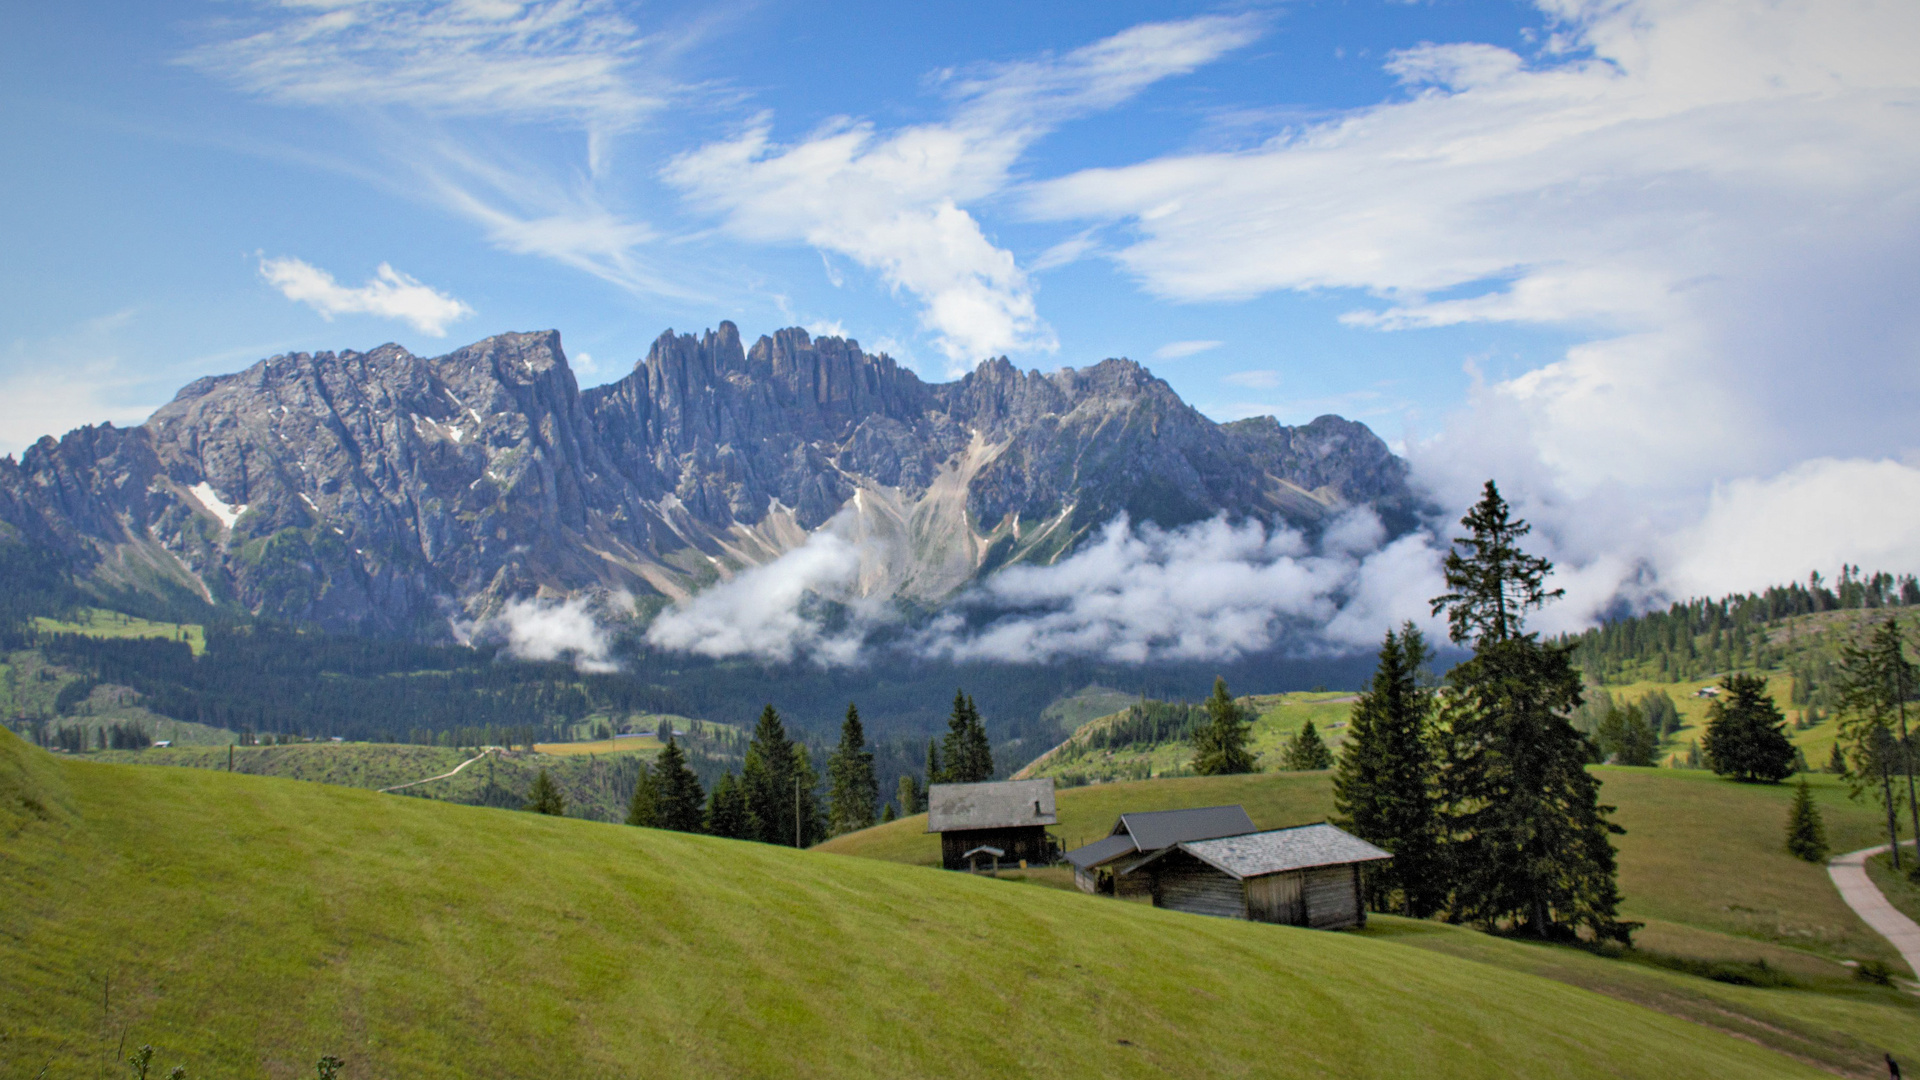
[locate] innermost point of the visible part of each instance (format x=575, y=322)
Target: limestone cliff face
x=387, y=492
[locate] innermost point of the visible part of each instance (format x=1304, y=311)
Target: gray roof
x=1164, y=828
x=1260, y=854
x=1102, y=850
x=1000, y=805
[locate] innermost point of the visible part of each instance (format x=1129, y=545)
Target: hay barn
x=1010, y=816
x=1304, y=876
x=1105, y=867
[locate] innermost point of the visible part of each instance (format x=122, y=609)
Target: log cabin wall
x=1027, y=842
x=1277, y=898
x=1183, y=883
x=1332, y=896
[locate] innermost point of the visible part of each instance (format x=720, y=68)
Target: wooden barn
x=1004, y=822
x=1304, y=876
x=1105, y=867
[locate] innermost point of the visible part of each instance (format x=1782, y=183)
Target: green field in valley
x=1081, y=758
x=249, y=925
x=1702, y=864
x=99, y=622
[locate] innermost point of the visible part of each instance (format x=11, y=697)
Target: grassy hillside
x=596, y=786
x=1092, y=754
x=249, y=925
x=101, y=623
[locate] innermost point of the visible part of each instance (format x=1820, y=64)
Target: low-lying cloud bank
x=1210, y=590
x=572, y=630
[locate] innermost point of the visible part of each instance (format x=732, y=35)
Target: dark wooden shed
x=1105, y=867
x=1304, y=876
x=1011, y=815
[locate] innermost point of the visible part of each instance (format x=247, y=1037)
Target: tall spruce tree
x=1625, y=737
x=969, y=757
x=681, y=805
x=1877, y=682
x=1526, y=836
x=1746, y=735
x=545, y=797
x=1385, y=787
x=1806, y=833
x=852, y=789
x=1220, y=744
x=643, y=809
x=1307, y=752
x=936, y=773
x=812, y=816
x=909, y=795
x=768, y=775
x=727, y=809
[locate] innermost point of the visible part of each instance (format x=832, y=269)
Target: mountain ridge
x=389, y=493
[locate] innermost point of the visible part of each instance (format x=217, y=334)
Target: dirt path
x=483, y=753
x=1849, y=874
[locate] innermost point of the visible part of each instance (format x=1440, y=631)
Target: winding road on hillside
x=1849, y=874
x=491, y=749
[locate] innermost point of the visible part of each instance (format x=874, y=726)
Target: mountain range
x=387, y=493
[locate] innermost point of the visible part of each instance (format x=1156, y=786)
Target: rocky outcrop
x=387, y=492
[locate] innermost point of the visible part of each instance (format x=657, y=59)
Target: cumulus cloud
x=1723, y=199
x=553, y=630
x=894, y=202
x=771, y=611
x=389, y=294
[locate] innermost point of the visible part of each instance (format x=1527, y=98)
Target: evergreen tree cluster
x=1702, y=637
x=1746, y=735
x=964, y=755
x=1486, y=788
x=1306, y=751
x=1876, y=749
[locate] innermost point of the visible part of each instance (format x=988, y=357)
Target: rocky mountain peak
x=382, y=490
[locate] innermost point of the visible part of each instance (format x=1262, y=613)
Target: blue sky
x=1649, y=261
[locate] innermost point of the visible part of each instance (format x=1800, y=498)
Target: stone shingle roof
x=1165, y=828
x=1259, y=854
x=999, y=805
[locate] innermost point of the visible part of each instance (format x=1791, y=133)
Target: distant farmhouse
x=1304, y=876
x=1002, y=822
x=1105, y=866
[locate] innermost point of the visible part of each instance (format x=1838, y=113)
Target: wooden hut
x=1105, y=867
x=1304, y=876
x=1009, y=815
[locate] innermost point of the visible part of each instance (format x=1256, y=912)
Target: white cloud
x=561, y=58
x=1814, y=516
x=894, y=202
x=554, y=630
x=764, y=611
x=1253, y=380
x=1724, y=194
x=389, y=294
x=1174, y=350
x=1208, y=591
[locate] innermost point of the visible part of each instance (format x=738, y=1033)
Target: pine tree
x=1625, y=738
x=909, y=795
x=969, y=757
x=1836, y=761
x=1876, y=683
x=1306, y=752
x=727, y=810
x=545, y=797
x=1527, y=838
x=852, y=789
x=935, y=774
x=681, y=801
x=1806, y=833
x=813, y=818
x=1746, y=736
x=1384, y=790
x=643, y=809
x=887, y=814
x=768, y=776
x=1220, y=744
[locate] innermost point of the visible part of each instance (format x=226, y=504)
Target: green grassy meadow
x=249, y=925
x=1276, y=719
x=101, y=623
